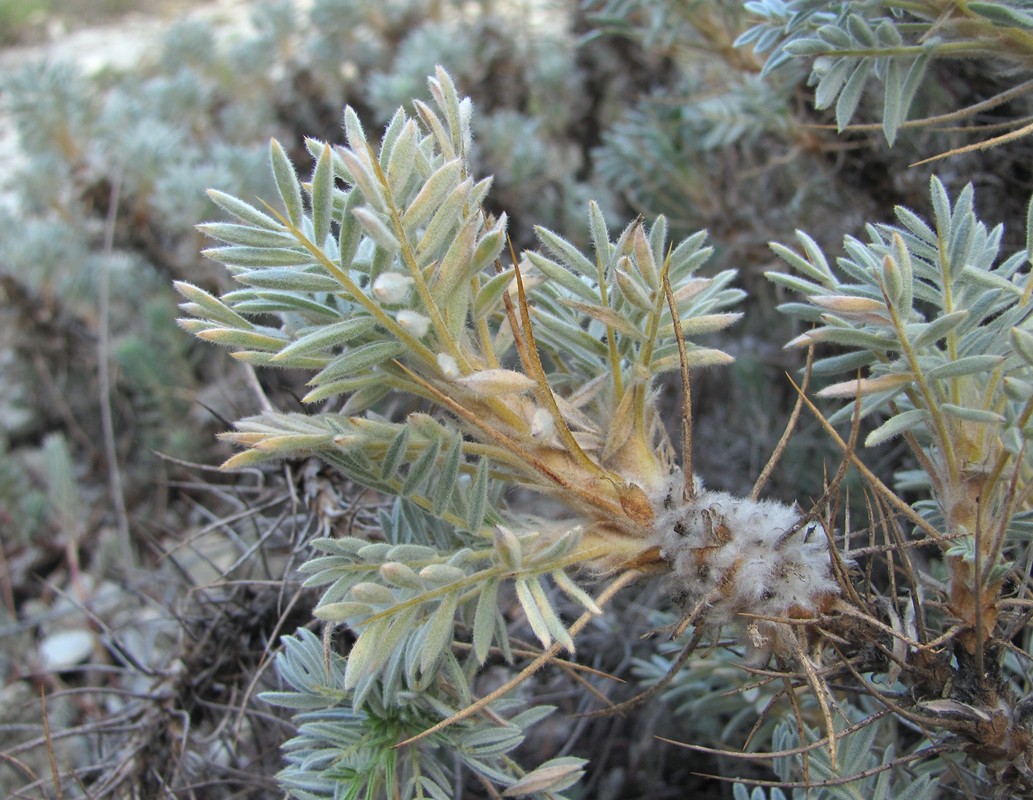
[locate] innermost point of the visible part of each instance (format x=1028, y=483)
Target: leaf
x=358, y=359
x=484, y=620
x=328, y=336
x=286, y=183
x=395, y=455
x=323, y=195
x=245, y=212
x=895, y=426
x=569, y=255
x=554, y=775
x=851, y=94
x=288, y=280
x=449, y=476
x=432, y=195
x=377, y=227
x=978, y=415
x=421, y=469
x=246, y=235
x=490, y=293
x=534, y=615
x=968, y=365
x=477, y=501
x=439, y=632
x=556, y=272
x=240, y=256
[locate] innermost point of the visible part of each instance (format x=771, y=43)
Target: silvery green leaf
x=439, y=632
x=421, y=469
x=806, y=47
x=927, y=333
x=978, y=415
x=851, y=94
x=968, y=365
x=376, y=644
x=208, y=306
x=831, y=82
x=358, y=359
x=489, y=246
x=322, y=195
x=477, y=501
x=508, y=547
x=553, y=776
x=448, y=477
x=366, y=397
x=411, y=553
x=444, y=221
x=573, y=591
x=327, y=336
x=238, y=256
x=402, y=158
x=484, y=620
x=797, y=284
x=286, y=183
x=854, y=338
x=1004, y=14
x=1022, y=340
x=489, y=295
x=632, y=290
x=835, y=36
x=843, y=363
x=645, y=259
x=492, y=741
x=535, y=618
x=906, y=421
x=562, y=276
x=395, y=454
x=244, y=211
x=432, y=195
x=247, y=235
x=343, y=611
x=434, y=124
x=455, y=266
x=893, y=112
x=334, y=388
x=401, y=575
x=364, y=180
x=688, y=256
x=233, y=337
x=1017, y=389
x=378, y=228
x=372, y=594
x=990, y=280
x=563, y=250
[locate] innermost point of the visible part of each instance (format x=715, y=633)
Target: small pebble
x=64, y=649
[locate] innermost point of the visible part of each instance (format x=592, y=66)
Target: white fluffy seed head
x=739, y=555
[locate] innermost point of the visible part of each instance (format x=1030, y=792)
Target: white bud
x=542, y=425
x=392, y=287
x=496, y=381
x=413, y=323
x=448, y=366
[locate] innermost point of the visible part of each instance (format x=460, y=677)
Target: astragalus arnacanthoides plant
x=385, y=276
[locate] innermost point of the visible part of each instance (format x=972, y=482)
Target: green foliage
x=854, y=44
x=340, y=751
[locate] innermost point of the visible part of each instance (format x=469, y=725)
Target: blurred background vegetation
x=142, y=592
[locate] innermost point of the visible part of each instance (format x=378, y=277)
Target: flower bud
x=392, y=287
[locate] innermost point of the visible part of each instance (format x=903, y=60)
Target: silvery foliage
x=855, y=43
x=394, y=283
